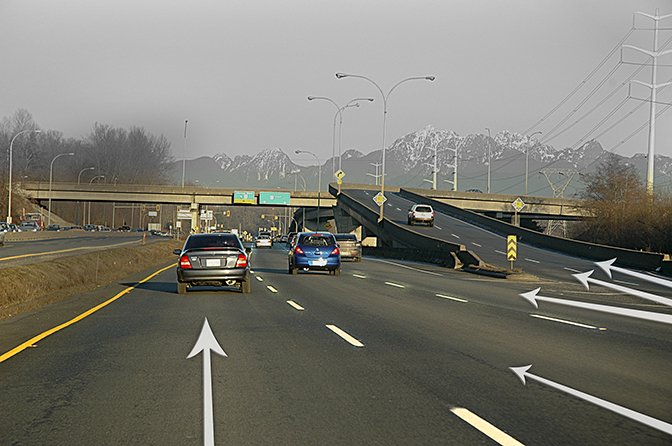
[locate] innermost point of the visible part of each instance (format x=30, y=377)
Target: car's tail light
x=298, y=250
x=335, y=252
x=242, y=261
x=185, y=263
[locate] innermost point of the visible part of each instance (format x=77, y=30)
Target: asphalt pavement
x=432, y=366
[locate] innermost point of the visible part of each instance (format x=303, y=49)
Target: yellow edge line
x=46, y=253
x=89, y=312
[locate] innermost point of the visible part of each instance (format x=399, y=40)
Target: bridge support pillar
x=195, y=209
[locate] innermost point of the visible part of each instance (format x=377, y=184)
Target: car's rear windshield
x=213, y=241
x=346, y=237
x=423, y=209
x=317, y=240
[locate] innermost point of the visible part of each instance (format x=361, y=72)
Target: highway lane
x=121, y=375
x=489, y=246
x=27, y=251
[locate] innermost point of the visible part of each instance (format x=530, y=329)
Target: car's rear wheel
x=337, y=271
x=246, y=286
x=181, y=288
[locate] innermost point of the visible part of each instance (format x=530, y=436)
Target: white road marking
x=500, y=252
x=476, y=244
x=456, y=236
x=251, y=272
x=345, y=336
x=259, y=278
x=438, y=227
x=359, y=276
x=398, y=209
x=389, y=204
x=562, y=321
x=571, y=269
x=394, y=284
x=451, y=298
x=407, y=267
x=486, y=428
x=532, y=260
x=295, y=305
x=271, y=289
x=626, y=283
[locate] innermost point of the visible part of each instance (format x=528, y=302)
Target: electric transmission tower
x=558, y=179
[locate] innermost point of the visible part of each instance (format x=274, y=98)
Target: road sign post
x=511, y=249
x=518, y=205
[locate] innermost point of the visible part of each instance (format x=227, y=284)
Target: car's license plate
x=319, y=262
x=213, y=262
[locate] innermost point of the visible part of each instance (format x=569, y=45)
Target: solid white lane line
x=271, y=289
x=563, y=321
x=438, y=227
x=407, y=267
x=451, y=298
x=259, y=278
x=626, y=283
x=476, y=244
x=295, y=305
x=485, y=428
x=345, y=336
x=454, y=235
x=571, y=269
x=532, y=260
x=394, y=284
x=500, y=252
x=359, y=276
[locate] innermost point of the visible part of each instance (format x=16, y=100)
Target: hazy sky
x=240, y=70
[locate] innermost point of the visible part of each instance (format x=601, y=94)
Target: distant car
x=350, y=247
x=478, y=191
x=90, y=227
x=213, y=260
x=13, y=227
x=54, y=228
x=421, y=213
x=315, y=251
x=4, y=227
x=263, y=240
x=29, y=226
x=124, y=228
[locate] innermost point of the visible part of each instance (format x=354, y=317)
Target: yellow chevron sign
x=511, y=247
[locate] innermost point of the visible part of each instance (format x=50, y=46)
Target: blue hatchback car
x=315, y=251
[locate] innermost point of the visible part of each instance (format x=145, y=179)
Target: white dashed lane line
x=457, y=299
x=485, y=428
x=438, y=227
x=398, y=209
x=259, y=278
x=571, y=269
x=532, y=260
x=351, y=340
x=359, y=276
x=296, y=306
x=271, y=289
x=455, y=235
x=476, y=244
x=563, y=321
x=500, y=252
x=394, y=284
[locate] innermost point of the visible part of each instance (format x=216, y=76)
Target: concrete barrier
x=627, y=258
x=419, y=255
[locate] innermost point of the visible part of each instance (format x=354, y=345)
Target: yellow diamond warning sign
x=380, y=199
x=511, y=248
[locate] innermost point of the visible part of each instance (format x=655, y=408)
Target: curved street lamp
x=319, y=181
x=91, y=182
x=79, y=175
x=339, y=113
x=51, y=175
x=385, y=97
x=9, y=198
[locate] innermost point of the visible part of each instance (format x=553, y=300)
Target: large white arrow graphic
x=585, y=278
x=533, y=296
x=206, y=343
x=522, y=373
x=607, y=267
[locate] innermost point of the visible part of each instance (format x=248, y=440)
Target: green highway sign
x=275, y=198
x=243, y=197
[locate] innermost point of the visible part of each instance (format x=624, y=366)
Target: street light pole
x=489, y=158
x=385, y=97
x=184, y=158
x=11, y=151
x=51, y=174
x=319, y=181
x=79, y=179
x=91, y=182
x=527, y=158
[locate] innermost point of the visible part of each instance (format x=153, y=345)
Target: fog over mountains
x=410, y=160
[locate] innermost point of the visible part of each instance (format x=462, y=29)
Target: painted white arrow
x=584, y=278
x=206, y=343
x=607, y=267
x=533, y=296
x=522, y=373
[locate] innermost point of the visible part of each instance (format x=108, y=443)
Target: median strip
x=351, y=340
x=485, y=428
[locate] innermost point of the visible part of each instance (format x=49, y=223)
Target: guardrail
x=626, y=257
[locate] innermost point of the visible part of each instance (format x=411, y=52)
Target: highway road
x=28, y=251
x=436, y=347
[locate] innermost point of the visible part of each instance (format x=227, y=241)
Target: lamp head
x=430, y=78
x=340, y=75
x=310, y=98
x=71, y=153
x=37, y=131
